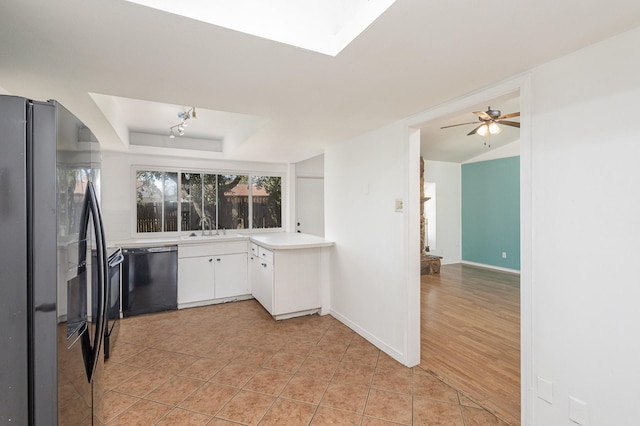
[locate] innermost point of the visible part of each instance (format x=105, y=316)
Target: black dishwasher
x=149, y=280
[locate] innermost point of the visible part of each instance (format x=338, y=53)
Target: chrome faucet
x=203, y=221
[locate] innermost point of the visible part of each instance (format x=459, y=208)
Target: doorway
x=516, y=88
x=470, y=330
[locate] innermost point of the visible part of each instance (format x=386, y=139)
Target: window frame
x=180, y=170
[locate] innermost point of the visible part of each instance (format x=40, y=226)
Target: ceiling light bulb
x=483, y=130
x=180, y=131
x=494, y=129
x=171, y=135
x=181, y=128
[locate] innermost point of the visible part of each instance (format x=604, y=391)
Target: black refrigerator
x=52, y=245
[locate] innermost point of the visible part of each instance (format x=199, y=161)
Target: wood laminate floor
x=470, y=335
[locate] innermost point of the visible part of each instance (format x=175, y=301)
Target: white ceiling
x=417, y=55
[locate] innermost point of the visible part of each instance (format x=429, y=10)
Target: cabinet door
x=262, y=282
x=296, y=280
x=195, y=279
x=231, y=275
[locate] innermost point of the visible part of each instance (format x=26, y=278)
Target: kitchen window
x=156, y=201
x=206, y=200
x=197, y=200
x=266, y=201
x=233, y=199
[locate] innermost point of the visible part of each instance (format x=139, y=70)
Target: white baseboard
x=214, y=301
x=497, y=268
x=401, y=358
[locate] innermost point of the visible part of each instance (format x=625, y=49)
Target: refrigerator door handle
x=46, y=307
x=91, y=349
x=118, y=259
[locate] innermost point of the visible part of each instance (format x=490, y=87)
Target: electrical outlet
x=578, y=411
x=504, y=254
x=545, y=390
x=399, y=205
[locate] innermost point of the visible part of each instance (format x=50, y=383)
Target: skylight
x=324, y=26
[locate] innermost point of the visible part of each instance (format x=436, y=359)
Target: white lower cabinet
x=286, y=282
x=230, y=275
x=261, y=277
x=211, y=273
x=195, y=279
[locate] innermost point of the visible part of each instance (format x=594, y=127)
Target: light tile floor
x=233, y=364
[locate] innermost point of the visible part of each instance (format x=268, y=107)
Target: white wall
x=446, y=176
x=312, y=167
x=363, y=178
x=510, y=150
x=581, y=320
x=117, y=183
x=586, y=235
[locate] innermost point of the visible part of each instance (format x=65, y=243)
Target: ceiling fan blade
x=513, y=114
x=473, y=132
x=461, y=124
x=482, y=114
x=509, y=123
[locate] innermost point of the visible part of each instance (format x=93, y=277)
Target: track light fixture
x=184, y=116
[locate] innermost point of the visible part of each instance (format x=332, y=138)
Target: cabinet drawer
x=254, y=249
x=266, y=255
x=212, y=249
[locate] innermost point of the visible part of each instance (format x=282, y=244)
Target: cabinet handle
x=264, y=265
x=218, y=259
x=210, y=260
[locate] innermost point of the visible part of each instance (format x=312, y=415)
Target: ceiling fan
x=489, y=121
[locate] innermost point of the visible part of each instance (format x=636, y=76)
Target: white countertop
x=290, y=240
x=273, y=240
x=172, y=241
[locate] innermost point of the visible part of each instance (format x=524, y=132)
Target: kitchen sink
x=213, y=237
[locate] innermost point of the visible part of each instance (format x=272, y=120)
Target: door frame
x=521, y=84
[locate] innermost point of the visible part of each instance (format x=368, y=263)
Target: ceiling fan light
x=494, y=129
x=483, y=130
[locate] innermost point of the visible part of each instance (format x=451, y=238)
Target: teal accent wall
x=491, y=212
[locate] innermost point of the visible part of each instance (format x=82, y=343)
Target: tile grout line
x=231, y=339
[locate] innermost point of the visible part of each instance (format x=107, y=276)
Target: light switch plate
x=399, y=205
